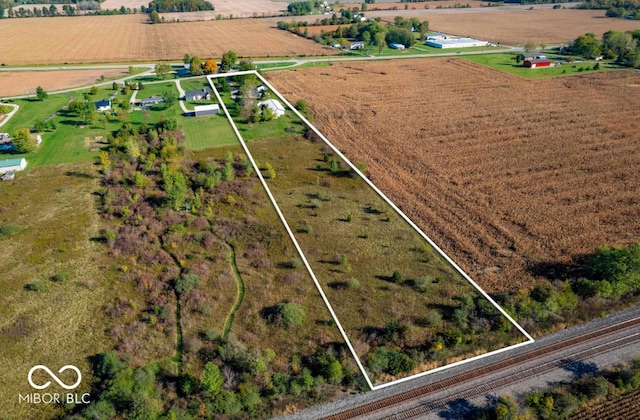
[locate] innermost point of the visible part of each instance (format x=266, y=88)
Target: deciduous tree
x=23, y=142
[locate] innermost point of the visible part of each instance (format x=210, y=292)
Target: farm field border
x=393, y=206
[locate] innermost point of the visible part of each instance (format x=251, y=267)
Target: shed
x=455, y=43
x=103, y=105
x=537, y=62
x=198, y=95
x=151, y=100
x=396, y=46
x=204, y=110
x=11, y=165
x=274, y=105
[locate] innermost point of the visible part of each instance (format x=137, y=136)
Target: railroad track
x=424, y=391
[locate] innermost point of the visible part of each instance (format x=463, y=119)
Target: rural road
x=537, y=373
x=294, y=63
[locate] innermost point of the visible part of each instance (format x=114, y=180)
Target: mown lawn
x=206, y=132
x=286, y=124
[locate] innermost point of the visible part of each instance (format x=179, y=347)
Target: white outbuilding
x=274, y=105
x=12, y=165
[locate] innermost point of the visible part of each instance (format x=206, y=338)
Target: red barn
x=537, y=62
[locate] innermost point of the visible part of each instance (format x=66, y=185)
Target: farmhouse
x=532, y=55
x=537, y=62
x=447, y=42
x=198, y=95
x=151, y=100
x=103, y=105
x=204, y=110
x=274, y=105
x=357, y=45
x=11, y=165
x=396, y=46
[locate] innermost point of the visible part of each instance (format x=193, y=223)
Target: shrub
x=396, y=277
x=36, y=286
x=59, y=278
x=353, y=283
x=186, y=283
x=291, y=313
x=422, y=284
x=9, y=229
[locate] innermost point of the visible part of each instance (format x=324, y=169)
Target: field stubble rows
x=508, y=176
x=131, y=38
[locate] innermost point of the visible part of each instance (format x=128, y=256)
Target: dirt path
x=240, y=294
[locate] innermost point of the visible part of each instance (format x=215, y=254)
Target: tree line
x=615, y=45
x=615, y=8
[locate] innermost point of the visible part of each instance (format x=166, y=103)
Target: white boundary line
x=393, y=206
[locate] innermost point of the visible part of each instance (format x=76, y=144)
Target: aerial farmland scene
x=239, y=209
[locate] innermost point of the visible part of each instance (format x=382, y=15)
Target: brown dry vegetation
x=131, y=38
x=508, y=176
x=15, y=83
x=517, y=27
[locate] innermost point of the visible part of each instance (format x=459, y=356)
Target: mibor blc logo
x=50, y=398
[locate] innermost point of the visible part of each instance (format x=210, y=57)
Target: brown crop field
x=131, y=38
x=517, y=27
x=15, y=83
x=507, y=175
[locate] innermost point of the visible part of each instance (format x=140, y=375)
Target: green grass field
x=506, y=62
x=207, y=132
x=32, y=110
x=156, y=89
x=286, y=124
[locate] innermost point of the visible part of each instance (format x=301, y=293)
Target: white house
x=274, y=105
x=11, y=165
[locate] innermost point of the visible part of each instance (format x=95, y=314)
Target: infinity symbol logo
x=54, y=377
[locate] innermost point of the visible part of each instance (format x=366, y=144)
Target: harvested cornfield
x=132, y=38
x=20, y=82
x=517, y=27
x=509, y=176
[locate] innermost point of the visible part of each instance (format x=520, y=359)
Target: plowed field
x=517, y=27
x=15, y=83
x=131, y=38
x=506, y=175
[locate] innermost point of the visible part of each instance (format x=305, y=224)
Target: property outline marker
x=388, y=201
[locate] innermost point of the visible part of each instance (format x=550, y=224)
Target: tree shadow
x=579, y=266
x=579, y=368
x=77, y=174
x=459, y=409
x=338, y=285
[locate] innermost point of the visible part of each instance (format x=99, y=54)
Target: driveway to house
x=8, y=116
x=181, y=97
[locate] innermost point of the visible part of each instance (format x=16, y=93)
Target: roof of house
x=11, y=162
x=197, y=92
x=153, y=99
x=103, y=103
x=538, y=60
x=273, y=104
x=396, y=45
